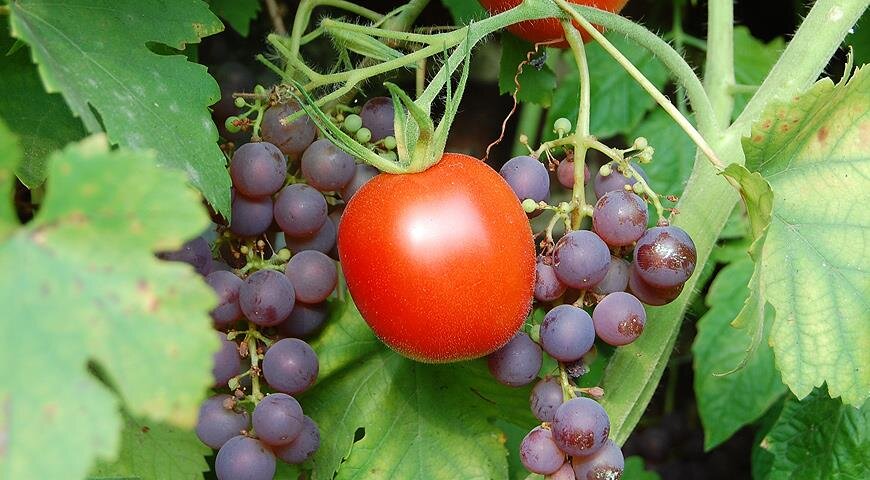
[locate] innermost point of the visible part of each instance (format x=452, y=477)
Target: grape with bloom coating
x=565, y=173
x=615, y=181
x=227, y=361
x=517, y=363
x=277, y=419
x=606, y=463
x=377, y=116
x=648, y=294
x=195, y=252
x=290, y=366
x=362, y=174
x=226, y=285
x=327, y=167
x=291, y=138
x=216, y=424
x=266, y=298
x=527, y=177
x=620, y=218
x=304, y=321
x=258, y=169
x=244, y=458
x=313, y=276
x=581, y=259
x=580, y=426
x=664, y=257
x=616, y=279
x=303, y=446
x=567, y=333
x=323, y=241
x=300, y=210
x=251, y=217
x=565, y=472
x=539, y=452
x=547, y=285
x=619, y=318
x=545, y=398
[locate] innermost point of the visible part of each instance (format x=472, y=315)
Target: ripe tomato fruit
x=441, y=264
x=548, y=29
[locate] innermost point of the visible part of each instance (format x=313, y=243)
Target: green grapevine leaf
x=753, y=60
x=819, y=438
x=814, y=153
x=675, y=152
x=86, y=300
x=10, y=156
x=464, y=11
x=416, y=420
x=536, y=86
x=238, y=13
x=618, y=102
x=95, y=54
x=41, y=120
x=726, y=403
x=155, y=450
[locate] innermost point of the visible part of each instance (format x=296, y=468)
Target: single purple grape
x=290, y=366
x=581, y=259
x=527, y=177
x=303, y=447
x=517, y=363
x=313, y=276
x=615, y=181
x=648, y=294
x=304, y=321
x=378, y=116
x=227, y=361
x=216, y=424
x=547, y=285
x=606, y=463
x=267, y=297
x=620, y=218
x=539, y=452
x=567, y=333
x=664, y=257
x=616, y=279
x=545, y=398
x=327, y=167
x=195, y=252
x=277, y=419
x=361, y=175
x=291, y=138
x=323, y=241
x=226, y=285
x=300, y=210
x=565, y=472
x=565, y=173
x=580, y=426
x=258, y=169
x=619, y=319
x=251, y=217
x=244, y=458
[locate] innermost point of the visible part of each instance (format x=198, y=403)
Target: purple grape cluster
x=614, y=268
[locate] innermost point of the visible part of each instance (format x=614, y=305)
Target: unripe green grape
x=638, y=188
x=239, y=102
x=260, y=90
x=390, y=156
x=562, y=126
x=284, y=254
x=640, y=143
x=230, y=124
x=390, y=143
x=363, y=135
x=352, y=123
x=605, y=170
x=529, y=205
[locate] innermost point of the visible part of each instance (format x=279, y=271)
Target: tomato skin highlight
x=548, y=29
x=441, y=264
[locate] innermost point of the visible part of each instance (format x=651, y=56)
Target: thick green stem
x=251, y=340
x=578, y=194
x=409, y=15
x=303, y=16
x=719, y=71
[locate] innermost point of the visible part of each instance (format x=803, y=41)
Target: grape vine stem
x=578, y=194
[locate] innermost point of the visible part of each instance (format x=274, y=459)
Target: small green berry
x=390, y=156
x=390, y=142
x=640, y=143
x=562, y=126
x=260, y=90
x=529, y=205
x=364, y=135
x=352, y=123
x=638, y=188
x=605, y=170
x=231, y=125
x=240, y=102
x=284, y=254
x=646, y=155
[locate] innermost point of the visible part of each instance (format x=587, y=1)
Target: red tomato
x=441, y=263
x=549, y=28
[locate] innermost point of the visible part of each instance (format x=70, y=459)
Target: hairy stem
x=719, y=71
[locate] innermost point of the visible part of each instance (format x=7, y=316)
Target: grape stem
x=251, y=340
x=578, y=195
x=567, y=388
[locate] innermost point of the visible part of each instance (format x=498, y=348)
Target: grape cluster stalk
x=595, y=284
x=274, y=268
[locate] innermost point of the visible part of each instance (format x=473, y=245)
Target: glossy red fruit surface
x=548, y=28
x=441, y=264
